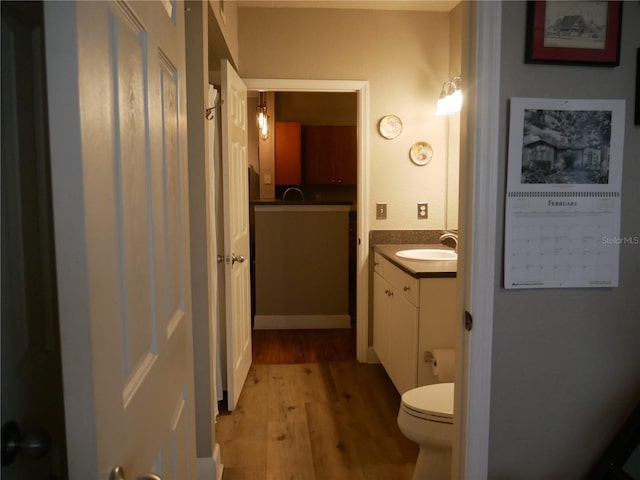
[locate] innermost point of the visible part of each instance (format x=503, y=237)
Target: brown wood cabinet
x=329, y=155
x=288, y=170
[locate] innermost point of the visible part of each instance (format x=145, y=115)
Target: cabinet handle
x=406, y=288
x=391, y=293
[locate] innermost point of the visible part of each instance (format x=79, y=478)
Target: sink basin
x=428, y=254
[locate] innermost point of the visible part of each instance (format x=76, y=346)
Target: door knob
x=234, y=259
x=33, y=443
x=118, y=474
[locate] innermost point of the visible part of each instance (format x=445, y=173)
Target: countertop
x=418, y=268
x=300, y=202
x=291, y=206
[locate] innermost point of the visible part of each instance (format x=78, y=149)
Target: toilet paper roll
x=444, y=361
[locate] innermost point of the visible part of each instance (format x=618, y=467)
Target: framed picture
x=637, y=114
x=574, y=32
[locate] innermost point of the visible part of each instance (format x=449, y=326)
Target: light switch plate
x=381, y=211
x=423, y=210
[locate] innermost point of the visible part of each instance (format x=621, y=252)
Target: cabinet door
x=329, y=154
x=316, y=155
x=380, y=319
x=403, y=342
x=346, y=155
x=288, y=153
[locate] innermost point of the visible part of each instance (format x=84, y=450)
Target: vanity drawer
x=380, y=264
x=404, y=284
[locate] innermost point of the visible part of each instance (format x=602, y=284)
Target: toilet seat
x=430, y=402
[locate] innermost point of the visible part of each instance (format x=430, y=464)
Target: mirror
x=453, y=172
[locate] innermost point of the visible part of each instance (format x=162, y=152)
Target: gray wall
x=566, y=362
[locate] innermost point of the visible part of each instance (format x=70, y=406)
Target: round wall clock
x=421, y=153
x=390, y=126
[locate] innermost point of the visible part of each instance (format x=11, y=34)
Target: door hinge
x=468, y=321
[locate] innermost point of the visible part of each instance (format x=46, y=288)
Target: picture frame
x=637, y=112
x=574, y=32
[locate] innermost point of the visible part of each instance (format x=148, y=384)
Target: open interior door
x=236, y=231
x=117, y=100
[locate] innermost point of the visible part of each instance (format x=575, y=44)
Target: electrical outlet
x=423, y=210
x=381, y=211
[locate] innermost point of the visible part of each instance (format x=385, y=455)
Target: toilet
x=426, y=418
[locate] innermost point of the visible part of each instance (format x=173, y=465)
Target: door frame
x=477, y=261
x=361, y=88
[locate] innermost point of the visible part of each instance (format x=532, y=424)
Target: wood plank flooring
x=332, y=419
x=303, y=346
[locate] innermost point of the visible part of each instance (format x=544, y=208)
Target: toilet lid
x=433, y=402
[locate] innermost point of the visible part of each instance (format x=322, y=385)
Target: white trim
x=361, y=87
x=293, y=85
x=362, y=324
x=480, y=209
x=210, y=468
x=283, y=322
x=372, y=356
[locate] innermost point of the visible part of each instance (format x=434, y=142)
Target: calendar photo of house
x=566, y=146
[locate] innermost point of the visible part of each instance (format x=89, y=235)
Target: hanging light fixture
x=261, y=116
x=450, y=100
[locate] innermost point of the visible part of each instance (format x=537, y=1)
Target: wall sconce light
x=450, y=100
x=261, y=116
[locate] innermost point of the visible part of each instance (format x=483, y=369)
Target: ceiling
x=422, y=5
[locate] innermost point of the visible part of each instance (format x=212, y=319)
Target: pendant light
x=261, y=116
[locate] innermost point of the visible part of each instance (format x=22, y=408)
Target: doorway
x=361, y=91
x=31, y=362
x=309, y=160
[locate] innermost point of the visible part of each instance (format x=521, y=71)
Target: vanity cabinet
x=329, y=154
x=410, y=316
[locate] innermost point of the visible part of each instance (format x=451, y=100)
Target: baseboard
x=372, y=357
x=210, y=468
x=218, y=459
x=282, y=322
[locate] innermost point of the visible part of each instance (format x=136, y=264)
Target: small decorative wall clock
x=390, y=126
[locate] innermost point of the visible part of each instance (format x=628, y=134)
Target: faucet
x=295, y=189
x=450, y=236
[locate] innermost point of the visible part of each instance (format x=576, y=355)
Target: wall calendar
x=562, y=216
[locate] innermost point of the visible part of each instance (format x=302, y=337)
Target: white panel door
x=236, y=231
x=116, y=75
